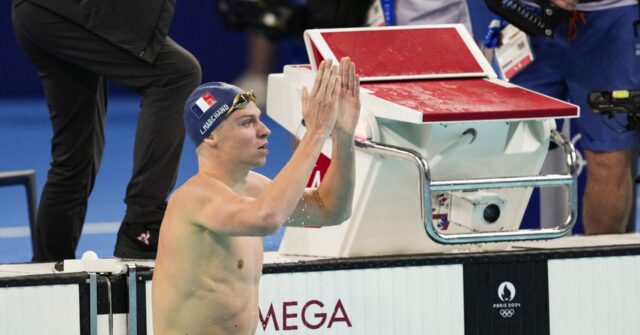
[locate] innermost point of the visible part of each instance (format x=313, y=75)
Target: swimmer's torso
x=206, y=285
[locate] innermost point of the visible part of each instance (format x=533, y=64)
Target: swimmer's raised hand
x=349, y=100
x=319, y=106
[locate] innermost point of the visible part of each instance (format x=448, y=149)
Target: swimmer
x=210, y=251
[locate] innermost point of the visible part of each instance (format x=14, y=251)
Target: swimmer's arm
x=330, y=204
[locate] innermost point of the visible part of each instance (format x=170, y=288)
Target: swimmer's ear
x=211, y=140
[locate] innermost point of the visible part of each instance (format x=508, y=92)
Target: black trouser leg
x=76, y=157
x=160, y=134
x=76, y=100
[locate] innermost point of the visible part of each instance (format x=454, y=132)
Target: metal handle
x=567, y=180
x=132, y=282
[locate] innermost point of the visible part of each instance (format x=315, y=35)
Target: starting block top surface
x=433, y=73
x=409, y=52
x=470, y=99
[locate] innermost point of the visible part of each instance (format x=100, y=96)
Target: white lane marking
x=89, y=228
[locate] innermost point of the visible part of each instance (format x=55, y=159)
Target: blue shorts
x=601, y=57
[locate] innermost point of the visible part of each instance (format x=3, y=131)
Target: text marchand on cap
x=212, y=119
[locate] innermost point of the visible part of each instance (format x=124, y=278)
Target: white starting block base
x=387, y=199
x=569, y=286
x=441, y=142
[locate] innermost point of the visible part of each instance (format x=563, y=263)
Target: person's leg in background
x=158, y=145
x=164, y=86
x=76, y=100
x=607, y=196
x=604, y=59
x=587, y=63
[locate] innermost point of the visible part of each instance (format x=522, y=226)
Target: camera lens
x=491, y=213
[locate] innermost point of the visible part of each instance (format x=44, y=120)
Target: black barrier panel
x=510, y=298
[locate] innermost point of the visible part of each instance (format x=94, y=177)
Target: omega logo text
x=311, y=316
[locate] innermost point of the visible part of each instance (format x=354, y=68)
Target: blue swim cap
x=206, y=107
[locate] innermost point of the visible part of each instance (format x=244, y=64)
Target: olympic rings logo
x=507, y=313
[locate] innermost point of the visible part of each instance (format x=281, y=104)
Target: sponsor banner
x=402, y=300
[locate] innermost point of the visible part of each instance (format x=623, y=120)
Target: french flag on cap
x=203, y=104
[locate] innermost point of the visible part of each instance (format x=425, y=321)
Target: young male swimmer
x=210, y=252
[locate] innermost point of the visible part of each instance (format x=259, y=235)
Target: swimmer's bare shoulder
x=194, y=205
x=196, y=260
x=189, y=199
x=207, y=202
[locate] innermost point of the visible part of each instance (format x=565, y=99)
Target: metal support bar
x=110, y=302
x=93, y=304
x=133, y=302
x=567, y=180
x=506, y=182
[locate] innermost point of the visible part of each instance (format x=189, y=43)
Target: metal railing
x=567, y=180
